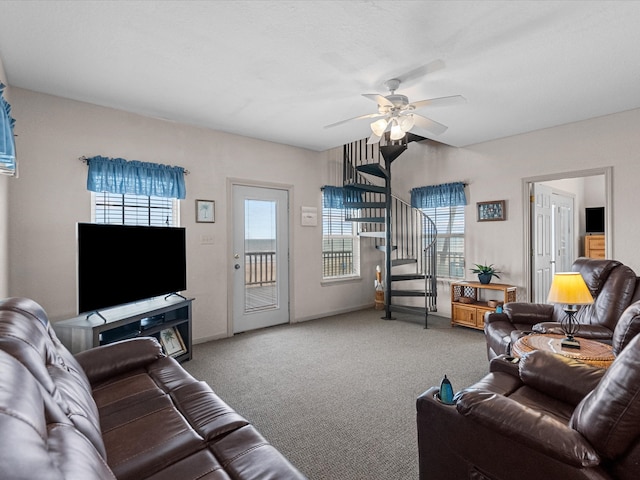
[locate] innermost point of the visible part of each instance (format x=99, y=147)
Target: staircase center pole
x=388, y=242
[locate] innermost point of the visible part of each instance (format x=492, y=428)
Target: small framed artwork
x=491, y=211
x=205, y=211
x=172, y=342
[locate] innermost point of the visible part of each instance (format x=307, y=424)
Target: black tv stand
x=157, y=317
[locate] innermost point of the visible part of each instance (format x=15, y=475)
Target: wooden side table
x=594, y=353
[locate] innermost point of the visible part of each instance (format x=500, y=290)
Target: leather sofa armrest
x=494, y=317
x=528, y=427
x=506, y=364
x=563, y=378
x=592, y=332
x=528, y=313
x=106, y=361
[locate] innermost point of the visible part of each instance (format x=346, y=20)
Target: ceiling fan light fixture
x=379, y=126
x=396, y=131
x=406, y=122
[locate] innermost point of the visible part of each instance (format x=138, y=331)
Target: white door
x=541, y=242
x=563, y=240
x=260, y=257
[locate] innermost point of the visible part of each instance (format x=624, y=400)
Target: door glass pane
x=260, y=282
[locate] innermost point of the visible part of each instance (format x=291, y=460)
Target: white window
x=340, y=245
x=450, y=240
x=114, y=208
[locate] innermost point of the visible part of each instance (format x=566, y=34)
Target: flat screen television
x=594, y=219
x=120, y=264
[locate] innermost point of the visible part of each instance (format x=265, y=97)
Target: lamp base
x=570, y=342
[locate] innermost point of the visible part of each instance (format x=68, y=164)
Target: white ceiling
x=282, y=70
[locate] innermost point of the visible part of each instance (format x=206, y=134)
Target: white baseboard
x=335, y=312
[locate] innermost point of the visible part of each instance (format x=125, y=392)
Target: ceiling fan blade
x=428, y=124
x=369, y=115
x=373, y=139
x=379, y=99
x=439, y=101
x=421, y=71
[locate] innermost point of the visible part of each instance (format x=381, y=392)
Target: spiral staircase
x=405, y=236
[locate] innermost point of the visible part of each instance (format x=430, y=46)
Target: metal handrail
x=413, y=233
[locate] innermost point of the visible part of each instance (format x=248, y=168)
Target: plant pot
x=484, y=278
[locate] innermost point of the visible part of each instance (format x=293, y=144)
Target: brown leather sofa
x=545, y=417
x=614, y=287
x=123, y=410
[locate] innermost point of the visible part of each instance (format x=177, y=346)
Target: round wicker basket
x=466, y=300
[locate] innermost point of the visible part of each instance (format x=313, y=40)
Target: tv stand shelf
x=155, y=317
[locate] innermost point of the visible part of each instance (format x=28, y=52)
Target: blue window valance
x=334, y=197
x=444, y=195
x=116, y=175
x=7, y=142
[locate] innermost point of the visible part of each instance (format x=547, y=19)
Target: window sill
x=339, y=280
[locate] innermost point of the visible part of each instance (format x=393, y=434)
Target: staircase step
x=391, y=152
x=374, y=169
x=365, y=219
x=409, y=276
x=372, y=234
x=408, y=293
x=403, y=261
x=365, y=204
x=366, y=188
x=412, y=137
x=408, y=309
x=383, y=248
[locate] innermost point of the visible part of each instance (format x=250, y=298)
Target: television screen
x=594, y=220
x=120, y=264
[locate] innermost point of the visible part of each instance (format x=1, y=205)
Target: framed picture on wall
x=205, y=211
x=491, y=211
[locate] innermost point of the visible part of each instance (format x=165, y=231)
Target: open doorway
x=554, y=229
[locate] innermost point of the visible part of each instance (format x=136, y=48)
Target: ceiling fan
x=395, y=112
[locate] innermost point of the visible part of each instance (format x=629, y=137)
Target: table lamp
x=570, y=289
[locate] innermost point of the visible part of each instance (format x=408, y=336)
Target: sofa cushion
x=627, y=327
x=609, y=416
x=528, y=426
x=148, y=437
x=571, y=381
x=202, y=465
x=30, y=340
x=206, y=412
x=245, y=454
x=38, y=440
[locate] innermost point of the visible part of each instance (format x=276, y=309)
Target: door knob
x=237, y=266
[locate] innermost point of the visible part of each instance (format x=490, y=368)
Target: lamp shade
x=569, y=288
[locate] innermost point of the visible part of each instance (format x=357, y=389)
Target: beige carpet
x=337, y=395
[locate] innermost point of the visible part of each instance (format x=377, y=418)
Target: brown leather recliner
x=614, y=287
x=546, y=417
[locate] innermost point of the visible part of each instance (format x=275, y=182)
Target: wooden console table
x=594, y=353
x=472, y=314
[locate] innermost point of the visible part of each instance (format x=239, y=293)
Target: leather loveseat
x=123, y=410
x=545, y=417
x=614, y=287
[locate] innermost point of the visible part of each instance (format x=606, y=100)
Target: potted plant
x=485, y=272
